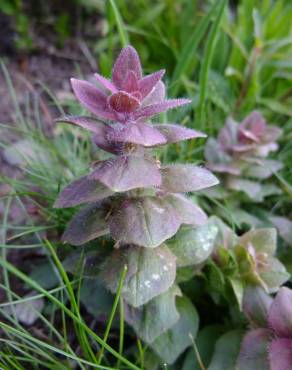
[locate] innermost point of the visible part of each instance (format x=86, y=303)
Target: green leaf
x=238, y=289
x=173, y=342
x=45, y=275
x=263, y=240
x=205, y=67
x=150, y=272
x=216, y=280
x=274, y=275
x=192, y=245
x=184, y=274
x=95, y=297
x=86, y=261
x=205, y=344
x=156, y=316
x=226, y=351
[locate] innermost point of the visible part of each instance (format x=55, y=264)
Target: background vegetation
x=229, y=57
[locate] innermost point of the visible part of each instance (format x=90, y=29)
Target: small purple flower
x=129, y=96
x=268, y=348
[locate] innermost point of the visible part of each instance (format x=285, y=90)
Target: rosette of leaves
x=139, y=202
x=238, y=262
x=268, y=345
x=240, y=156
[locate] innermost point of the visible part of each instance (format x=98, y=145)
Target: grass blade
x=124, y=37
x=204, y=72
x=190, y=48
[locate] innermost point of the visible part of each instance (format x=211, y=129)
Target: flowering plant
x=240, y=155
x=241, y=261
x=268, y=345
x=137, y=200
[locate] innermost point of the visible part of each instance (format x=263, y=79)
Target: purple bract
x=269, y=347
x=240, y=155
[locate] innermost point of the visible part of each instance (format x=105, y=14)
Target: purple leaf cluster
x=240, y=154
x=268, y=346
x=132, y=196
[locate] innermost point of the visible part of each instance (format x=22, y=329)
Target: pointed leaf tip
x=87, y=224
x=92, y=98
x=128, y=60
x=176, y=133
x=81, y=191
x=183, y=178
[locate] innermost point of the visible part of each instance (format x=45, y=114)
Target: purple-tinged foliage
x=268, y=347
x=240, y=155
x=82, y=191
x=128, y=96
x=133, y=197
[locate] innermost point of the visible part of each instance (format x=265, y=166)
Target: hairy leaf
x=151, y=110
x=226, y=351
x=254, y=351
x=192, y=245
x=88, y=123
x=174, y=341
x=82, y=191
x=127, y=172
x=280, y=354
x=147, y=221
x=150, y=272
x=280, y=313
x=128, y=60
x=175, y=133
x=87, y=224
x=92, y=98
x=137, y=133
x=182, y=178
x=206, y=343
x=146, y=84
x=156, y=317
x=188, y=211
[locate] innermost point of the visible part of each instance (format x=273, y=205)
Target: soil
x=48, y=66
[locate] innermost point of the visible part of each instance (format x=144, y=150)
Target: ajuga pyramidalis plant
x=136, y=200
x=247, y=260
x=240, y=154
x=268, y=345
